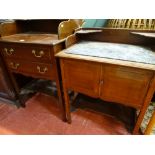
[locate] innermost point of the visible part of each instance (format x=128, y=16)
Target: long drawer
x=34, y=69
x=37, y=53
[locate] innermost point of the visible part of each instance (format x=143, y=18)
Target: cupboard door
x=82, y=76
x=124, y=85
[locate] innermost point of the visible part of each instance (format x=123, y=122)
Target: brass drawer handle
x=43, y=70
x=14, y=65
x=9, y=52
x=39, y=54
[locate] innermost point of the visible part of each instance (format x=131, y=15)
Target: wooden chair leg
x=150, y=126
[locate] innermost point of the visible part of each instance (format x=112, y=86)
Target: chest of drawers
x=32, y=55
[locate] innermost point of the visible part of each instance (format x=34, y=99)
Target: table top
x=31, y=37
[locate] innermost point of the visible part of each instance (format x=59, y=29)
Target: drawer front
x=82, y=76
x=30, y=53
x=125, y=85
x=38, y=70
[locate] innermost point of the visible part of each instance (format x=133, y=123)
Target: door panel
x=82, y=76
x=124, y=85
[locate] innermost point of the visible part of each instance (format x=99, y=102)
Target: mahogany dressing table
x=30, y=51
x=111, y=64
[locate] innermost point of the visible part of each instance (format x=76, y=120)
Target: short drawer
x=30, y=53
x=38, y=70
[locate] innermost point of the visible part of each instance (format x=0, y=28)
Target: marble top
x=117, y=51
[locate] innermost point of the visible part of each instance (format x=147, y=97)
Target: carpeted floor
x=42, y=116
